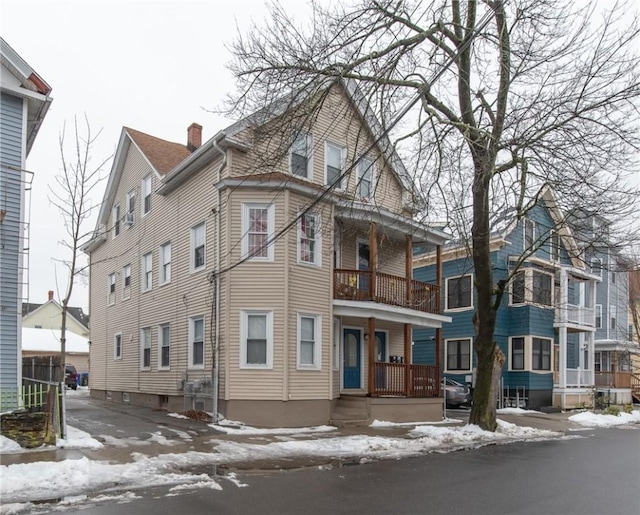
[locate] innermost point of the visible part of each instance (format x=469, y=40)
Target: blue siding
x=11, y=110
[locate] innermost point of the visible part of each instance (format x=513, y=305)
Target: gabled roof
x=163, y=155
x=76, y=313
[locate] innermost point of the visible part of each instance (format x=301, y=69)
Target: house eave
x=365, y=309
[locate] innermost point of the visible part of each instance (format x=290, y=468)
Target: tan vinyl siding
x=391, y=254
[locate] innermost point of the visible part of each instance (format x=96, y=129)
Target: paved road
x=595, y=473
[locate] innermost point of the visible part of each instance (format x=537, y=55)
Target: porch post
x=409, y=269
x=562, y=356
x=439, y=277
x=373, y=259
x=407, y=359
x=371, y=343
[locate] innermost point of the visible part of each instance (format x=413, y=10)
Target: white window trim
x=343, y=162
x=143, y=188
x=126, y=290
x=243, y=338
x=143, y=347
x=598, y=307
x=115, y=216
x=359, y=175
x=192, y=248
x=317, y=347
x=130, y=215
x=528, y=289
x=160, y=342
x=162, y=264
x=317, y=262
x=527, y=355
x=554, y=235
x=525, y=248
x=309, y=136
x=593, y=260
x=111, y=297
x=144, y=287
x=116, y=356
x=511, y=282
x=612, y=322
x=462, y=370
x=446, y=294
x=246, y=207
x=192, y=320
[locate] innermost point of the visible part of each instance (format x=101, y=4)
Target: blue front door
x=351, y=358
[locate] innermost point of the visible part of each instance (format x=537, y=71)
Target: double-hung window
x=598, y=316
x=596, y=266
x=117, y=346
x=458, y=354
x=164, y=346
x=145, y=348
x=517, y=353
x=529, y=235
x=115, y=214
x=111, y=284
x=165, y=263
x=126, y=282
x=301, y=155
x=309, y=341
x=542, y=284
x=554, y=251
x=147, y=272
x=256, y=339
x=198, y=254
x=335, y=157
x=518, y=288
x=258, y=224
x=196, y=342
x=309, y=238
x=459, y=292
x=131, y=208
x=365, y=178
x=146, y=195
x=541, y=354
x=613, y=313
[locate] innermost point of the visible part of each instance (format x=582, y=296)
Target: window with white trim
x=458, y=353
x=196, y=342
x=198, y=247
x=528, y=234
x=596, y=266
x=309, y=341
x=309, y=241
x=459, y=292
x=613, y=313
x=126, y=282
x=117, y=346
x=115, y=215
x=145, y=348
x=256, y=339
x=518, y=281
x=300, y=158
x=517, y=353
x=130, y=216
x=146, y=195
x=258, y=225
x=542, y=288
x=111, y=289
x=598, y=313
x=147, y=272
x=554, y=250
x=531, y=286
x=541, y=353
x=165, y=263
x=164, y=346
x=365, y=178
x=335, y=158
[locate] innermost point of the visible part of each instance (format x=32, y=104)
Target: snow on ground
x=9, y=446
x=177, y=415
x=590, y=419
x=384, y=423
x=515, y=411
x=77, y=439
x=237, y=428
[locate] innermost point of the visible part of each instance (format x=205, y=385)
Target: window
x=598, y=316
x=147, y=272
x=146, y=195
x=458, y=354
x=334, y=164
x=541, y=355
x=126, y=282
x=165, y=263
x=529, y=234
x=613, y=278
x=309, y=238
x=117, y=346
x=301, y=155
x=258, y=225
x=164, y=345
x=459, y=292
x=517, y=353
x=541, y=290
x=198, y=247
x=612, y=317
x=309, y=341
x=256, y=333
x=596, y=266
x=518, y=288
x=116, y=220
x=111, y=284
x=365, y=178
x=131, y=208
x=196, y=342
x=554, y=251
x=145, y=348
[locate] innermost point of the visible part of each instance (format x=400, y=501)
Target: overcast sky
x=149, y=65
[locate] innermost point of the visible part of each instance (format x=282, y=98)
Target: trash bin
x=84, y=379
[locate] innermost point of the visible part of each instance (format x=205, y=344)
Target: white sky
x=149, y=65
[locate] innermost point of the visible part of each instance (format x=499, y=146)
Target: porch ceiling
x=389, y=313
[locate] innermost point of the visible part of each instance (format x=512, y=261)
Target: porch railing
x=577, y=377
x=406, y=380
x=365, y=285
x=613, y=379
x=573, y=314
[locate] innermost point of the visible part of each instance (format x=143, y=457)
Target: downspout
x=216, y=368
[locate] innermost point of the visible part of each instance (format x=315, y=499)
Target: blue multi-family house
x=546, y=320
x=24, y=101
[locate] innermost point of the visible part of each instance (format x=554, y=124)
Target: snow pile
x=384, y=423
x=77, y=439
x=237, y=428
x=589, y=419
x=9, y=446
x=515, y=411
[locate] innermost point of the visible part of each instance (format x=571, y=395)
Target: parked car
x=457, y=394
x=71, y=377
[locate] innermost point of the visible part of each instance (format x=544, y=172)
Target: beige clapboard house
x=221, y=280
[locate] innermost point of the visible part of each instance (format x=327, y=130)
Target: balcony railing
x=393, y=290
x=577, y=377
x=613, y=379
x=578, y=315
x=406, y=380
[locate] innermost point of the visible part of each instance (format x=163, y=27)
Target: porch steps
x=350, y=411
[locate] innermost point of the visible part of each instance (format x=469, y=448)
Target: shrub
x=612, y=410
x=628, y=408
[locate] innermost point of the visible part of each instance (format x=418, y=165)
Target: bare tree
x=488, y=101
x=72, y=194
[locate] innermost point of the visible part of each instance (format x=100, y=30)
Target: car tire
x=74, y=386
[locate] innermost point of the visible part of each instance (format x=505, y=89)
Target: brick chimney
x=50, y=295
x=194, y=136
